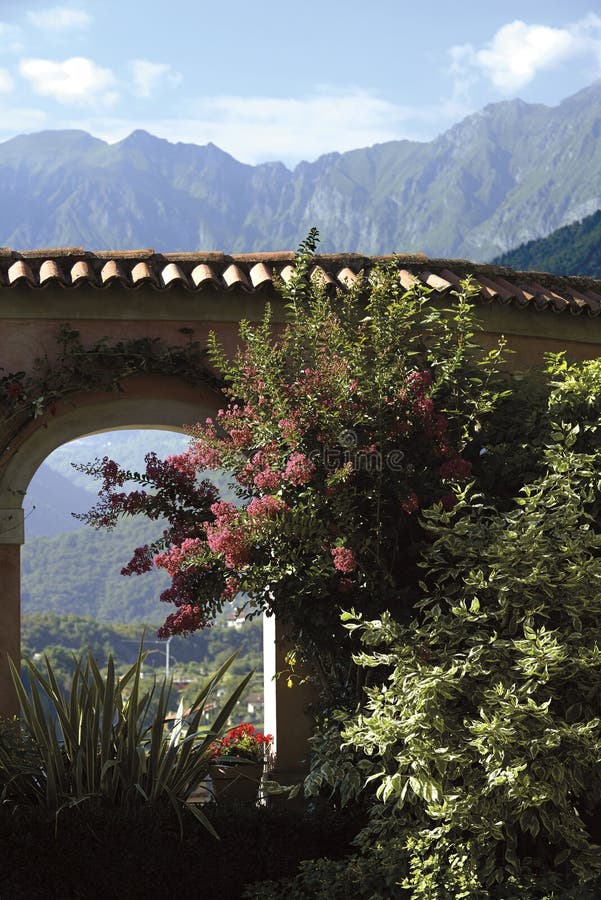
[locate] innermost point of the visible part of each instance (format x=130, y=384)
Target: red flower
x=448, y=501
x=243, y=742
x=455, y=469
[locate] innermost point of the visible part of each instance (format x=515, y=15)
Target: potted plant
x=237, y=762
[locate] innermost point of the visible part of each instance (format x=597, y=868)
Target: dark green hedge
x=125, y=855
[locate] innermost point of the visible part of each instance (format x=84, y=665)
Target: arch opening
x=146, y=402
x=74, y=597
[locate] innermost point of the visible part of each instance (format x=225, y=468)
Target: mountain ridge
x=509, y=173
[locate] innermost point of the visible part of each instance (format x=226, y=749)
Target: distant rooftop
x=72, y=267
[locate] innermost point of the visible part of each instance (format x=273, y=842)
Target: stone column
x=287, y=716
x=11, y=538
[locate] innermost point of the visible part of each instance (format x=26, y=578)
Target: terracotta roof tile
x=286, y=273
x=203, y=275
x=489, y=290
x=112, y=271
x=234, y=276
x=260, y=275
x=18, y=271
x=407, y=279
x=521, y=296
x=81, y=271
x=173, y=274
x=50, y=272
x=594, y=299
x=452, y=277
x=321, y=275
x=142, y=273
x=73, y=268
x=555, y=301
x=435, y=281
x=347, y=277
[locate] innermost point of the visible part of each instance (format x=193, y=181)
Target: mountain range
x=511, y=173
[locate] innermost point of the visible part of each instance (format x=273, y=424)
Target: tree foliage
x=337, y=429
x=483, y=741
x=385, y=467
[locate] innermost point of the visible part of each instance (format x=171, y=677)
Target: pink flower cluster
x=289, y=429
x=175, y=557
x=203, y=455
x=267, y=479
x=183, y=463
x=423, y=408
x=299, y=469
x=344, y=559
x=140, y=562
x=231, y=589
x=112, y=474
x=224, y=512
x=266, y=507
x=224, y=538
x=419, y=381
x=187, y=619
x=410, y=504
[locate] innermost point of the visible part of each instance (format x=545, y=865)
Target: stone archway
x=145, y=401
x=158, y=402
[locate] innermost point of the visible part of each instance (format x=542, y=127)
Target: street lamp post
x=166, y=651
x=167, y=658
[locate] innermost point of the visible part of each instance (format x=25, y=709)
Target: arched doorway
x=158, y=402
x=152, y=401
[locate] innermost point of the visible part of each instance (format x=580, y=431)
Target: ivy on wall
x=103, y=366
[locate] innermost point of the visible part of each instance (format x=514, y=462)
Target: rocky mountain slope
x=510, y=173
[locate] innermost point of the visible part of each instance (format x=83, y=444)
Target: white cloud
x=256, y=129
x=260, y=129
x=518, y=52
x=147, y=76
x=59, y=18
x=76, y=80
x=6, y=82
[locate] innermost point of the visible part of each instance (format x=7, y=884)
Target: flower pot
x=236, y=781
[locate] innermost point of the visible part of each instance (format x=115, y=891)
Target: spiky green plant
x=99, y=741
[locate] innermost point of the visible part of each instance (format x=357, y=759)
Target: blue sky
x=276, y=80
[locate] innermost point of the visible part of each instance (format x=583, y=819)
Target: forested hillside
x=572, y=250
x=79, y=572
x=77, y=634
x=192, y=659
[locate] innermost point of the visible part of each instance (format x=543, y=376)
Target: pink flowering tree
x=337, y=430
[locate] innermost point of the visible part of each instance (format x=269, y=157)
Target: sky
x=281, y=80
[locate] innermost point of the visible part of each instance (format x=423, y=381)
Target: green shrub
x=138, y=853
x=487, y=732
x=105, y=740
x=479, y=743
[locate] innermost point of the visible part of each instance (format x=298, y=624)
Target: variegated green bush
x=480, y=741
